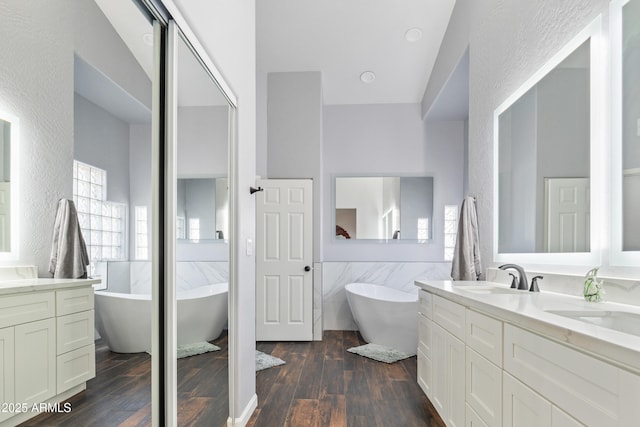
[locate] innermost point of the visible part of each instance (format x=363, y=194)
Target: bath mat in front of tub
x=380, y=353
x=186, y=350
x=264, y=361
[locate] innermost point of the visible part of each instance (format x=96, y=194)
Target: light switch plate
x=249, y=246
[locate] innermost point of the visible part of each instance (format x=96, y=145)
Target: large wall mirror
x=544, y=142
x=625, y=39
x=384, y=208
x=8, y=186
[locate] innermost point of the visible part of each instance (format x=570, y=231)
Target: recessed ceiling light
x=413, y=34
x=147, y=38
x=367, y=77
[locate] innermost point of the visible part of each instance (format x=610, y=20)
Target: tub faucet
x=522, y=277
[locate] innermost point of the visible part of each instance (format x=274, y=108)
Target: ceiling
x=339, y=38
x=344, y=38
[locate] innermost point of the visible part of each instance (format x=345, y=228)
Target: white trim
x=14, y=196
x=246, y=414
x=598, y=152
x=170, y=213
x=200, y=51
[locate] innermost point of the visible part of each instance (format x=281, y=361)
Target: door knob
x=307, y=268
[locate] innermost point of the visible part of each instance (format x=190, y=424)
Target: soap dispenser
x=534, y=284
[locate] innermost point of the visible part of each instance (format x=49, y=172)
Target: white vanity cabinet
x=491, y=368
x=47, y=350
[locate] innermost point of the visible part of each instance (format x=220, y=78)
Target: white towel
x=69, y=258
x=466, y=257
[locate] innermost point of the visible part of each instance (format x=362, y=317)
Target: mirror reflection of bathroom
x=544, y=163
x=631, y=126
x=202, y=253
x=112, y=187
x=5, y=185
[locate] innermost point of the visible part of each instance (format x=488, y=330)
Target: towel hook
x=255, y=190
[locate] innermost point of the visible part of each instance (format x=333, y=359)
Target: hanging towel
x=69, y=258
x=466, y=256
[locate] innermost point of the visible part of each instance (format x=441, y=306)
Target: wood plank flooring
x=120, y=394
x=324, y=385
x=321, y=385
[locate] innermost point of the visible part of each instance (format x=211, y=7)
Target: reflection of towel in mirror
x=466, y=256
x=69, y=258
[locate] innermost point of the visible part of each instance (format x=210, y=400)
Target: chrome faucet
x=522, y=277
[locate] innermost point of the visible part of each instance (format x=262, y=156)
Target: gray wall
x=102, y=140
x=5, y=151
x=139, y=176
x=203, y=141
x=294, y=134
x=391, y=140
x=416, y=201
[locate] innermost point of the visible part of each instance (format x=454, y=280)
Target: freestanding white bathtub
x=384, y=315
x=124, y=320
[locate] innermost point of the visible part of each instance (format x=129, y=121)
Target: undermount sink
x=622, y=321
x=486, y=289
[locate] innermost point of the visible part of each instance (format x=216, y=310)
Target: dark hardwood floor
x=120, y=394
x=320, y=385
x=324, y=385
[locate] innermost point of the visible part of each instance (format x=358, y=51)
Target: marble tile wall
x=336, y=314
x=135, y=276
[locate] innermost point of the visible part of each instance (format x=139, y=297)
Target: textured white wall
x=38, y=41
x=36, y=85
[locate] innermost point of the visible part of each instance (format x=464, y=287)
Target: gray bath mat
x=264, y=361
x=187, y=350
x=380, y=353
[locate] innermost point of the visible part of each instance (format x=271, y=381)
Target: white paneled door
x=284, y=285
x=567, y=217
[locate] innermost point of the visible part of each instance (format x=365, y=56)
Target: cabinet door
x=562, y=419
x=448, y=373
x=439, y=389
x=424, y=374
x=35, y=361
x=456, y=368
x=523, y=407
x=6, y=369
x=484, y=388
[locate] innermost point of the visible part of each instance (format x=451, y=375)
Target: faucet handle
x=534, y=284
x=514, y=281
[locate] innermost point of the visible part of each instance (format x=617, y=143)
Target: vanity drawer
x=74, y=300
x=426, y=300
x=75, y=331
x=450, y=316
x=586, y=388
x=76, y=367
x=424, y=335
x=24, y=308
x=484, y=335
x=484, y=388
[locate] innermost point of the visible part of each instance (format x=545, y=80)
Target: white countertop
x=8, y=287
x=529, y=311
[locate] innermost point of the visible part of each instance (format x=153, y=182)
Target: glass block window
x=450, y=230
x=423, y=228
x=194, y=229
x=180, y=228
x=142, y=235
x=102, y=222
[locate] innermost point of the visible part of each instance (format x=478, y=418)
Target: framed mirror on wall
x=625, y=126
x=384, y=208
x=546, y=184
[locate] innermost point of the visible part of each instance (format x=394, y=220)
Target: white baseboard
x=246, y=414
